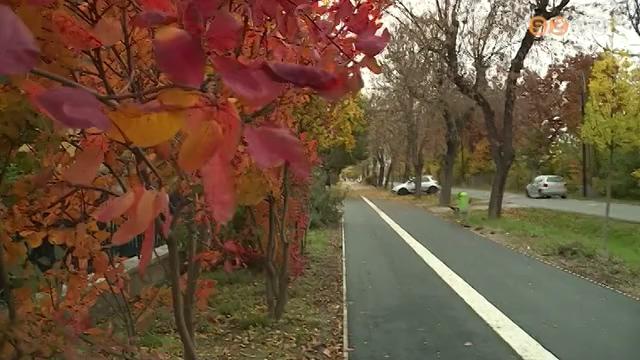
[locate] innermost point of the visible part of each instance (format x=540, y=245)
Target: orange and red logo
x=539, y=26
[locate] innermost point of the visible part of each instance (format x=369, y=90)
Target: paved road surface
x=402, y=307
x=625, y=212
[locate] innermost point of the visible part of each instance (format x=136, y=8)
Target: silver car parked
x=546, y=186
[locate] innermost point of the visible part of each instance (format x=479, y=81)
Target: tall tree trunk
x=375, y=171
x=406, y=174
x=498, y=186
x=463, y=165
x=188, y=347
x=283, y=275
x=453, y=142
x=271, y=276
x=389, y=172
x=381, y=174
x=607, y=212
x=417, y=167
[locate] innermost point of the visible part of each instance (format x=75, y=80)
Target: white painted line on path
x=345, y=328
x=521, y=342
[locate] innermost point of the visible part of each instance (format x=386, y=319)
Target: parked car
x=429, y=186
x=546, y=186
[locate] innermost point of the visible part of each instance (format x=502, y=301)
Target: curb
x=345, y=328
x=558, y=267
x=539, y=259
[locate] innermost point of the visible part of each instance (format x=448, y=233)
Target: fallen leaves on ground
x=236, y=327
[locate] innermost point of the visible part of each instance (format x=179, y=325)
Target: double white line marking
x=521, y=342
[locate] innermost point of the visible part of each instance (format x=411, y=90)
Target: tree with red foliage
x=153, y=100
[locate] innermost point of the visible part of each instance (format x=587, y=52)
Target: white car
x=546, y=186
x=429, y=186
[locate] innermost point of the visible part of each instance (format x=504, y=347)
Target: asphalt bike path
x=474, y=299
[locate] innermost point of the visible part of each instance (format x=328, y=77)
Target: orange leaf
x=60, y=237
x=72, y=33
x=138, y=221
x=199, y=146
x=372, y=64
x=33, y=238
x=114, y=207
x=162, y=207
x=146, y=249
x=145, y=128
x=108, y=31
x=84, y=169
x=219, y=189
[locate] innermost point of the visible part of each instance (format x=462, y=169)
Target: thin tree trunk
x=381, y=174
x=449, y=160
x=270, y=271
x=498, y=185
x=389, y=172
x=418, y=178
x=193, y=272
x=178, y=305
x=607, y=214
x=463, y=165
x=5, y=286
x=283, y=281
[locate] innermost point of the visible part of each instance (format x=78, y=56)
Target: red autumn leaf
x=371, y=64
x=301, y=75
x=204, y=289
x=148, y=19
x=219, y=189
x=165, y=6
x=371, y=44
x=85, y=167
x=19, y=52
x=223, y=32
x=251, y=83
x=114, y=208
x=199, y=145
x=288, y=25
x=75, y=108
x=139, y=219
x=180, y=56
x=232, y=247
x=272, y=146
x=344, y=9
x=228, y=266
x=341, y=86
x=360, y=21
x=197, y=13
x=108, y=31
x=41, y=2
x=146, y=250
x=72, y=32
x=162, y=207
x=229, y=121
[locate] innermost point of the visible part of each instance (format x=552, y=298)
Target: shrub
x=326, y=204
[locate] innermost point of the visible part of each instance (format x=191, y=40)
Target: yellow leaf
x=251, y=188
x=178, y=97
x=199, y=146
x=145, y=129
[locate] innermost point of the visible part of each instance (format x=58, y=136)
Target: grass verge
x=572, y=241
x=235, y=326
